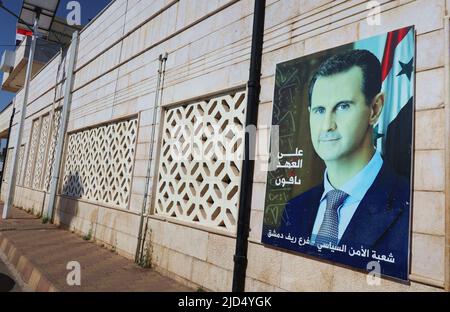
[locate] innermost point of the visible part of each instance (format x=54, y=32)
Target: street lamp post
x=12, y=180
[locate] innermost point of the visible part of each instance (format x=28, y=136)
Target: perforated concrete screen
x=99, y=163
x=201, y=160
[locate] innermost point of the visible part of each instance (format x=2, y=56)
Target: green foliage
x=145, y=260
x=88, y=236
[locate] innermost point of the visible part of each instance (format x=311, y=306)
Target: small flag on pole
x=21, y=34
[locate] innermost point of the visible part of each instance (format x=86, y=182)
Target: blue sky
x=89, y=9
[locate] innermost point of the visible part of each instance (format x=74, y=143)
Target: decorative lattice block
x=41, y=153
x=35, y=132
x=200, y=162
x=99, y=163
x=20, y=165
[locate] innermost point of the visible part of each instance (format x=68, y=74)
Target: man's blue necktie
x=329, y=228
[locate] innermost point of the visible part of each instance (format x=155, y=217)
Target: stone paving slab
x=40, y=253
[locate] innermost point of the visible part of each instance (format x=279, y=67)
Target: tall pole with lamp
x=12, y=181
x=37, y=16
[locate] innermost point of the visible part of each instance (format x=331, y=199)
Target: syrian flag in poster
x=393, y=132
x=395, y=123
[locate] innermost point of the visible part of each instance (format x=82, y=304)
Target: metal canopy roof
x=28, y=13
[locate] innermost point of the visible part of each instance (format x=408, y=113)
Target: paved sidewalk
x=40, y=252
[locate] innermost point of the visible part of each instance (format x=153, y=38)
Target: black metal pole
x=7, y=145
x=253, y=89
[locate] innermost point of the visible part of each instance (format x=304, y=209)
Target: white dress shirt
x=356, y=188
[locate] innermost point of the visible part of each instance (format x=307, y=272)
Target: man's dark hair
x=369, y=64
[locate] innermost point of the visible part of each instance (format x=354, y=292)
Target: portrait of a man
x=361, y=201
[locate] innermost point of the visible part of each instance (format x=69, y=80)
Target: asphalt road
x=7, y=283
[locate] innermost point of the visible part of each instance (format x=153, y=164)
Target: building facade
x=145, y=68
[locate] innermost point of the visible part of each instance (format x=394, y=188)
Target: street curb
x=31, y=276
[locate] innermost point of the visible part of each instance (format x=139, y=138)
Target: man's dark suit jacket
x=381, y=223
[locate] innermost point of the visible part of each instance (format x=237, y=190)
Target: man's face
x=339, y=116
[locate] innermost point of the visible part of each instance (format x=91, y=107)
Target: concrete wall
x=208, y=43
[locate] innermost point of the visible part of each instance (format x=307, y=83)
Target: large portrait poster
x=341, y=185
